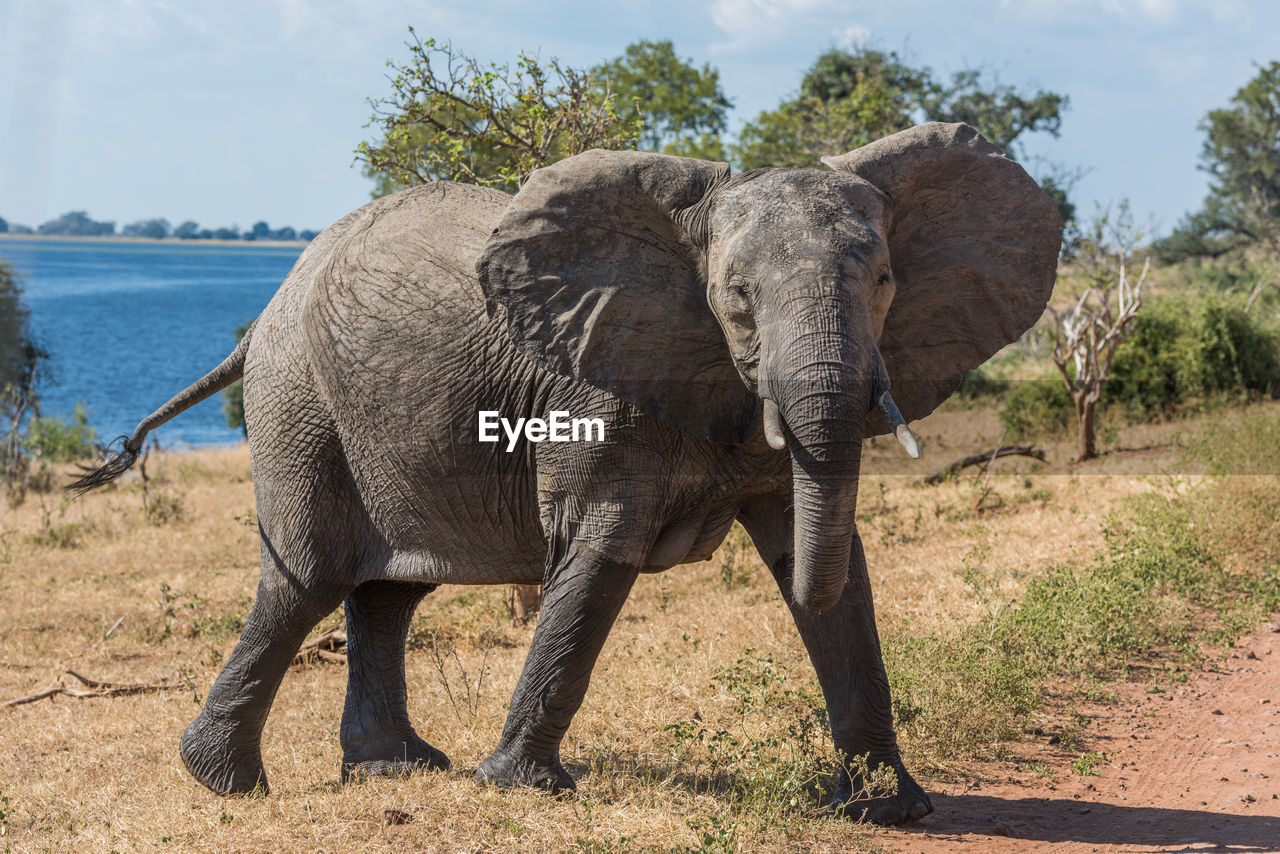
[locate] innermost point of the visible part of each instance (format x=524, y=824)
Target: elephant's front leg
x=581, y=599
x=845, y=649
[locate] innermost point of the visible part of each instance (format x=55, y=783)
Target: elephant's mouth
x=748, y=364
x=776, y=436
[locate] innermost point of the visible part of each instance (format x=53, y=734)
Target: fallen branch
x=102, y=639
x=325, y=647
x=97, y=689
x=32, y=698
x=985, y=457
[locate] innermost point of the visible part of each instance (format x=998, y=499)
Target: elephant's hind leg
x=377, y=737
x=222, y=748
x=313, y=533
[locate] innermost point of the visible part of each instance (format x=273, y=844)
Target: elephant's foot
x=507, y=771
x=396, y=756
x=853, y=799
x=223, y=761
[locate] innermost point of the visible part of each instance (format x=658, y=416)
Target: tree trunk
x=524, y=600
x=1084, y=417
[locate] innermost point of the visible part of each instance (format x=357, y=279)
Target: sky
x=236, y=111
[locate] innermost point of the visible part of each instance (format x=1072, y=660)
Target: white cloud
x=854, y=36
x=759, y=23
x=1133, y=11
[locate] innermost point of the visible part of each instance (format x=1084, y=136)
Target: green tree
x=21, y=369
x=156, y=229
x=15, y=340
x=78, y=224
x=798, y=132
x=1000, y=112
x=1241, y=153
x=838, y=73
x=450, y=117
x=681, y=107
x=850, y=98
x=233, y=395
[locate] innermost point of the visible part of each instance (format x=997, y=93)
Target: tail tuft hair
x=116, y=464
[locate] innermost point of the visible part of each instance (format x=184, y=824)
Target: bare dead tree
x=1087, y=335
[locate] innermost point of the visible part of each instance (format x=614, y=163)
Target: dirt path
x=1193, y=769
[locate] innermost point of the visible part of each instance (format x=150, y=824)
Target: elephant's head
x=707, y=298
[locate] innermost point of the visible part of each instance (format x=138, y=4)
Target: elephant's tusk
x=773, y=426
x=899, y=425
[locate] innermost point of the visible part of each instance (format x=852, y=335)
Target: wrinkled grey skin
x=665, y=296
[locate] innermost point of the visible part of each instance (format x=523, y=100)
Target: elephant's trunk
x=823, y=388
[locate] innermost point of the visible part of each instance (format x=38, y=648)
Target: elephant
x=736, y=333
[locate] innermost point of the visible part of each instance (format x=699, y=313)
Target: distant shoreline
x=153, y=241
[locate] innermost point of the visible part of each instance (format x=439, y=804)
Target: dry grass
x=98, y=775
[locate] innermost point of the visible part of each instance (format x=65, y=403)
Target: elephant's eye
x=736, y=302
x=885, y=276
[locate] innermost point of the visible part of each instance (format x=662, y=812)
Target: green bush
x=1181, y=350
x=58, y=440
x=979, y=384
x=1228, y=276
x=1037, y=407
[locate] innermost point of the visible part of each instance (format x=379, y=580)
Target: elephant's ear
x=973, y=242
x=599, y=278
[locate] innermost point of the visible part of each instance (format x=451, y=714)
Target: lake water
x=130, y=325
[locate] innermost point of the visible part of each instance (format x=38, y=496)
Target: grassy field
x=1003, y=599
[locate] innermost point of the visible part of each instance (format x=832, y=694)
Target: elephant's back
x=421, y=242
x=393, y=297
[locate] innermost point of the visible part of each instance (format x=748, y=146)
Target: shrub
x=979, y=384
x=58, y=440
x=233, y=395
x=1182, y=350
x=1037, y=407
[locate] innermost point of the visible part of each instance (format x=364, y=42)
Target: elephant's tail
x=231, y=369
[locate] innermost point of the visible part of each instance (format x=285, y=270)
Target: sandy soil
x=1196, y=768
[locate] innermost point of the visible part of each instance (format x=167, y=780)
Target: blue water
x=129, y=325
